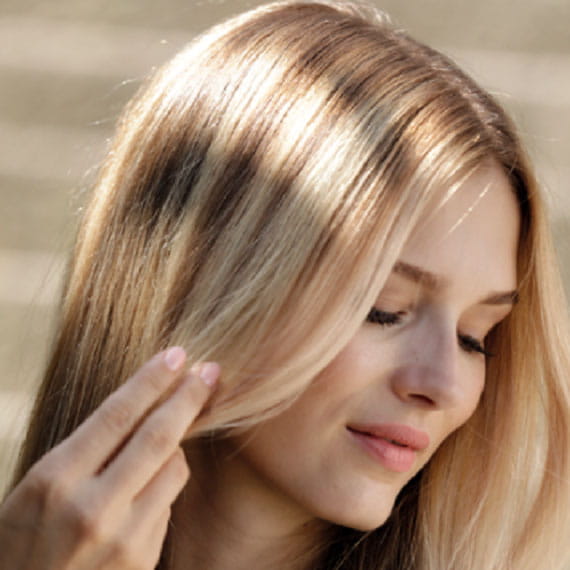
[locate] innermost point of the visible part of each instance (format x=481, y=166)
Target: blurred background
x=67, y=67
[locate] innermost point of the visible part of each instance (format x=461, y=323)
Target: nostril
x=422, y=400
x=428, y=387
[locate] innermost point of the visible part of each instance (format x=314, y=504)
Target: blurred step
x=30, y=98
x=24, y=340
x=37, y=213
x=537, y=25
x=49, y=152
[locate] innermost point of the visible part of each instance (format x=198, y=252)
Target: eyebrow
x=419, y=275
x=435, y=282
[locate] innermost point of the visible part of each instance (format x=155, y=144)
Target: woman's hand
x=101, y=499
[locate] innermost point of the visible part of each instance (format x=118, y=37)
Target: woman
x=343, y=232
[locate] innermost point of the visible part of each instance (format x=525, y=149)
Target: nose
x=427, y=375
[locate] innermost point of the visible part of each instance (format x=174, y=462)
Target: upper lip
x=402, y=434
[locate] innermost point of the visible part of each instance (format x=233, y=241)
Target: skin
x=267, y=491
x=84, y=506
x=102, y=499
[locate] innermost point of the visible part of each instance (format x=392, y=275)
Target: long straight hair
x=256, y=197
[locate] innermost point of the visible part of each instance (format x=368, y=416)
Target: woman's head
x=259, y=192
x=412, y=374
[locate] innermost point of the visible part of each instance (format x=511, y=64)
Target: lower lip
x=393, y=457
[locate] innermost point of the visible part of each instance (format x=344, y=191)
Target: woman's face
x=411, y=375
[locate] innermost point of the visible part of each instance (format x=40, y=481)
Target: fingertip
x=174, y=358
x=208, y=372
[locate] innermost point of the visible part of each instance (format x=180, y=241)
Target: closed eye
x=384, y=318
x=471, y=344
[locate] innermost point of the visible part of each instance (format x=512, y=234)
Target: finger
x=159, y=435
x=155, y=539
x=140, y=538
x=151, y=542
x=161, y=491
x=98, y=438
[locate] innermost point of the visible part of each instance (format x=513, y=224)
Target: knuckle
x=180, y=467
x=193, y=396
x=116, y=414
x=124, y=554
x=38, y=481
x=156, y=437
x=156, y=377
x=86, y=521
x=45, y=484
x=121, y=552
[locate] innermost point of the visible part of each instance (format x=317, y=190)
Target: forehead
x=471, y=238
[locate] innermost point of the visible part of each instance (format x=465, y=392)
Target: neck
x=227, y=519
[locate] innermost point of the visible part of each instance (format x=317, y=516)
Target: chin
x=362, y=515
x=366, y=523
x=370, y=510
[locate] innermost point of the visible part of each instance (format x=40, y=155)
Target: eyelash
x=387, y=319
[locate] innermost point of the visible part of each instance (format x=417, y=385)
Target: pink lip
x=395, y=446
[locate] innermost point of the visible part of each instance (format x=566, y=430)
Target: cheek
x=473, y=385
x=347, y=376
x=302, y=443
x=479, y=379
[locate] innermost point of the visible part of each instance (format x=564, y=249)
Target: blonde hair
x=255, y=199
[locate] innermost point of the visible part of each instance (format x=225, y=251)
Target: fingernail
x=209, y=372
x=174, y=358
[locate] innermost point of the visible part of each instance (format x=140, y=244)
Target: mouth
x=394, y=446
x=394, y=442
